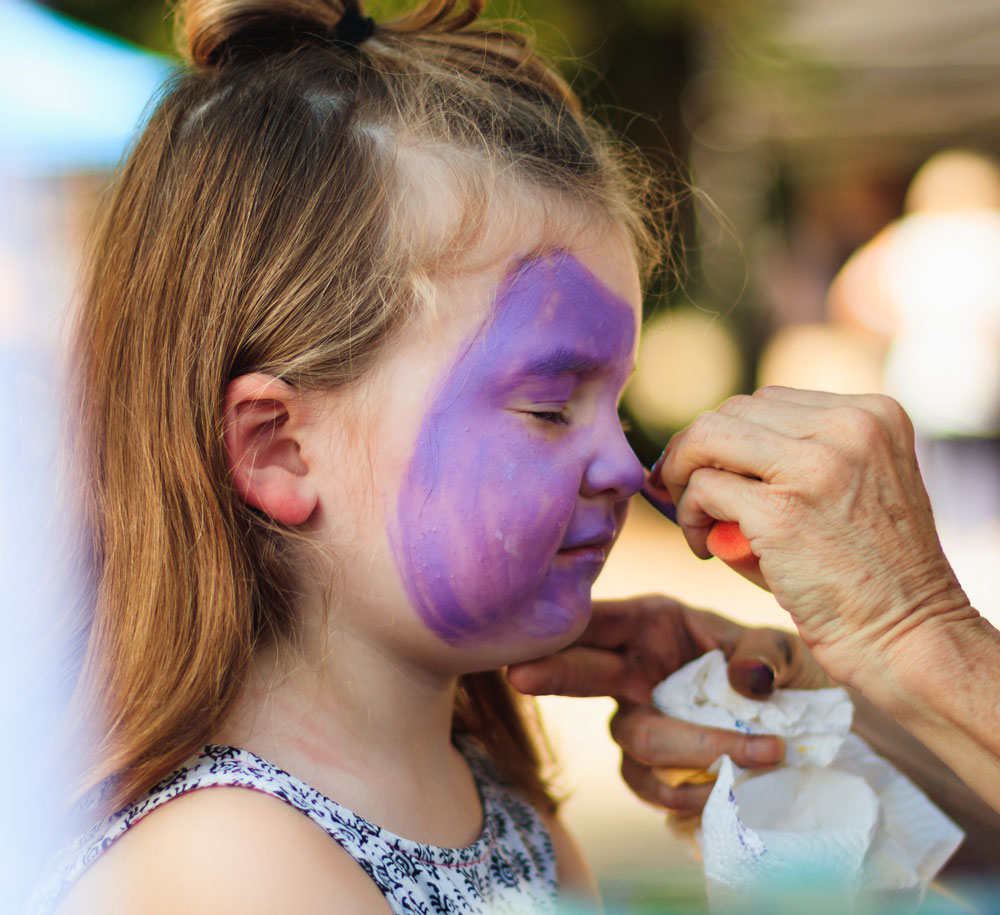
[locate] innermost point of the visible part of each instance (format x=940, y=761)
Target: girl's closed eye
x=555, y=417
x=549, y=401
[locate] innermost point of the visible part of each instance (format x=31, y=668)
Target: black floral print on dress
x=509, y=870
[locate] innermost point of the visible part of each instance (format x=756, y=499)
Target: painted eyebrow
x=562, y=362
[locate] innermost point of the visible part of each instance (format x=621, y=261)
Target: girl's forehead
x=584, y=269
x=556, y=294
x=549, y=314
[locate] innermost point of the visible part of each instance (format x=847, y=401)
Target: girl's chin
x=550, y=628
x=513, y=635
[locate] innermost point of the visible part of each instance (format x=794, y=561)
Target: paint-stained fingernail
x=660, y=500
x=654, y=471
x=765, y=751
x=753, y=677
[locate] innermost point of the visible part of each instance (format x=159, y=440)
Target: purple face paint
x=520, y=468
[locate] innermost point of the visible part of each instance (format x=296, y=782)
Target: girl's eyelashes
x=556, y=417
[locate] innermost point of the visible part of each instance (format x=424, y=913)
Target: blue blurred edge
x=71, y=96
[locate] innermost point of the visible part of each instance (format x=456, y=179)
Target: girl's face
x=503, y=472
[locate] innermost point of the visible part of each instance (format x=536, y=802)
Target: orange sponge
x=724, y=537
x=726, y=542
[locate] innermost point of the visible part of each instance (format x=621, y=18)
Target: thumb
x=765, y=659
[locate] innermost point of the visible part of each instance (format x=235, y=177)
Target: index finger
x=881, y=405
x=659, y=741
x=580, y=671
x=823, y=399
x=629, y=647
x=884, y=408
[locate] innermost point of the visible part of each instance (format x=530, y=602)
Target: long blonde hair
x=262, y=222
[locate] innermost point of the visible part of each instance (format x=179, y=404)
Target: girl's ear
x=264, y=421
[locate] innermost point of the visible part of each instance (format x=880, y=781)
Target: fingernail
x=765, y=751
x=660, y=500
x=753, y=677
x=654, y=492
x=760, y=679
x=654, y=471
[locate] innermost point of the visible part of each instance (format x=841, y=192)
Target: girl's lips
x=592, y=551
x=585, y=560
x=600, y=539
x=586, y=550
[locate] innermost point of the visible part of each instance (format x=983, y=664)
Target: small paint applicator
x=725, y=541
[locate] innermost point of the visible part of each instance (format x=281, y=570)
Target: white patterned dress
x=510, y=868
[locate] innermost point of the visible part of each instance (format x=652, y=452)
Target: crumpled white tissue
x=834, y=812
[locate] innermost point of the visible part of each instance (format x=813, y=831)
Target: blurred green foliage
x=143, y=22
x=629, y=59
x=576, y=27
x=625, y=56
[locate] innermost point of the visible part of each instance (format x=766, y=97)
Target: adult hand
x=629, y=647
x=826, y=489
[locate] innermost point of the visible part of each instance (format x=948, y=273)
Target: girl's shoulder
x=224, y=851
x=199, y=835
x=234, y=849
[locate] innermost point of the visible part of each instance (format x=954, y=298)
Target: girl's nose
x=614, y=468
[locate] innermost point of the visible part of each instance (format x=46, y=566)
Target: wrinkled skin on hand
x=827, y=490
x=632, y=645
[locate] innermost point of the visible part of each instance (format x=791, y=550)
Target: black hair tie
x=261, y=39
x=352, y=28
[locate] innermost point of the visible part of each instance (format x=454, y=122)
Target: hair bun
x=211, y=32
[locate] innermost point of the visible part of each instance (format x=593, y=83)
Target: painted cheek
x=487, y=497
x=479, y=535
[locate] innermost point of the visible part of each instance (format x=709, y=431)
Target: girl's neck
x=370, y=731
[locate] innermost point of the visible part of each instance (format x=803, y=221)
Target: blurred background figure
x=927, y=288
x=928, y=285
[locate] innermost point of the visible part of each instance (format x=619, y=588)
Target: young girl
x=361, y=309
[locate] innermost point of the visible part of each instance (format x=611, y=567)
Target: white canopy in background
x=70, y=96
